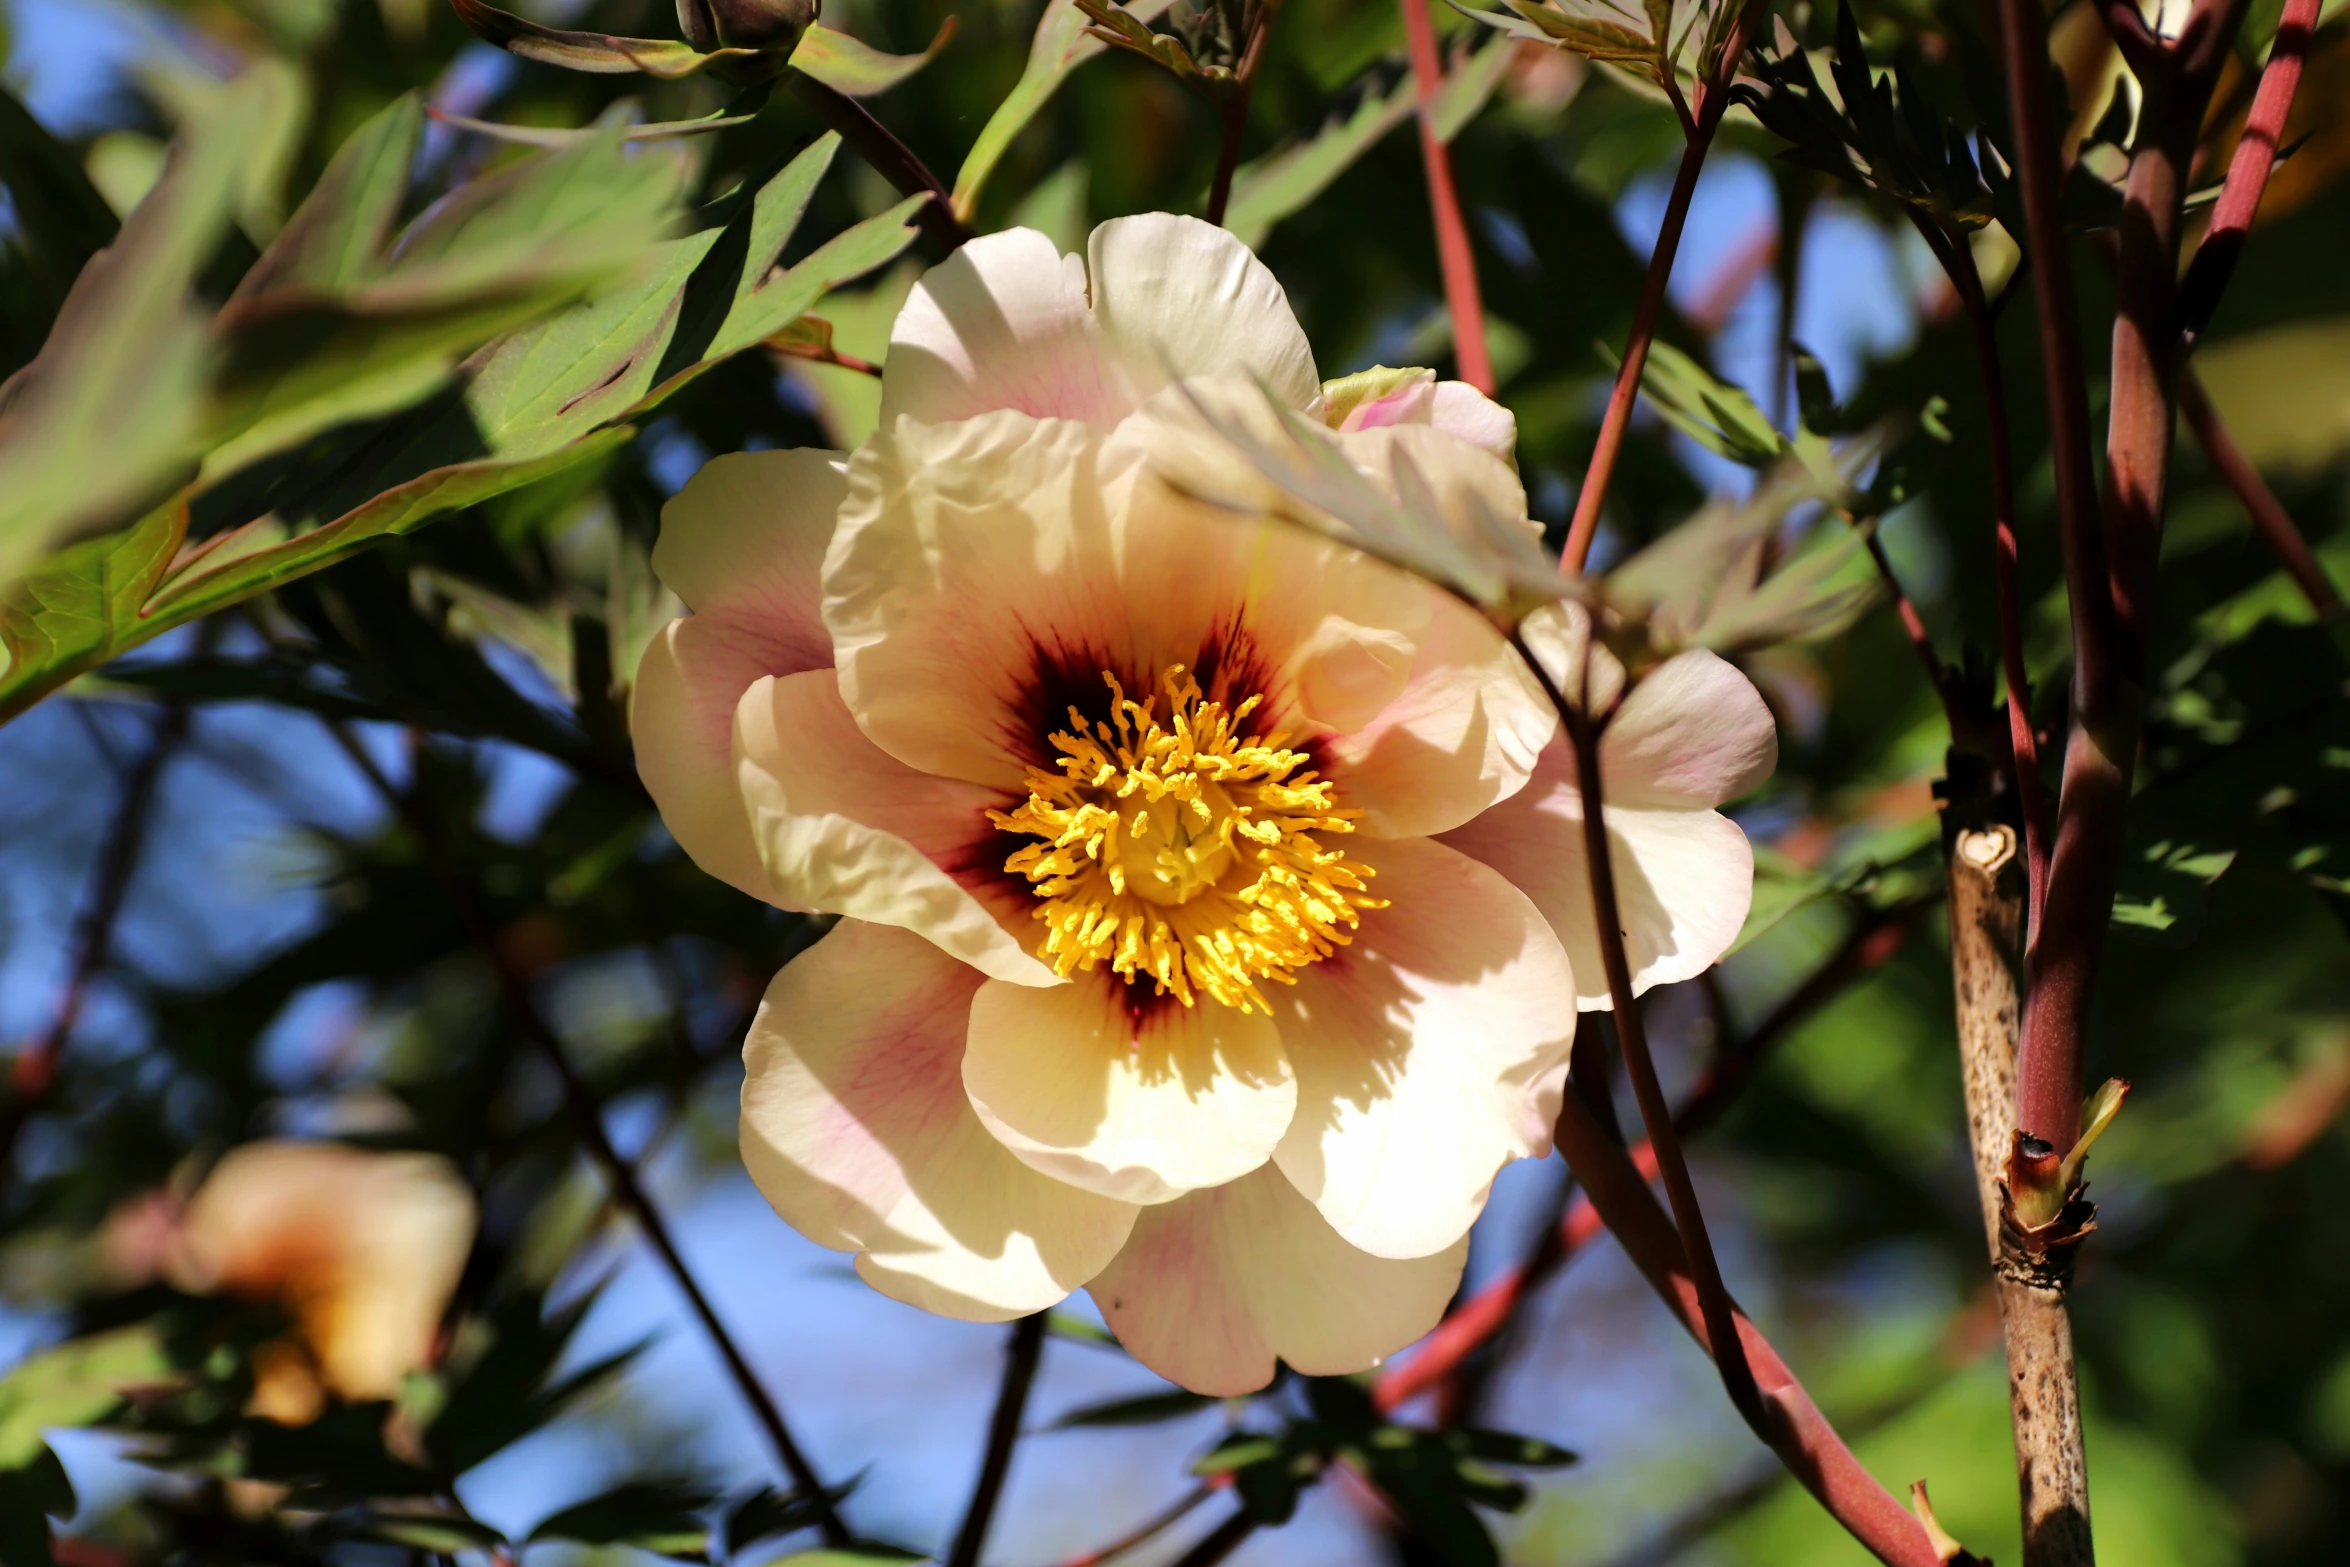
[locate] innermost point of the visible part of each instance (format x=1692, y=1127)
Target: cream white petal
x=986, y=576
x=1177, y=297
x=845, y=828
x=1428, y=1054
x=1002, y=323
x=1684, y=877
x=1135, y=1099
x=743, y=544
x=1694, y=732
x=856, y=1128
x=1463, y=733
x=1460, y=409
x=1211, y=1287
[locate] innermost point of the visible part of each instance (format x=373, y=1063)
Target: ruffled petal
x=1463, y=733
x=856, y=1128
x=743, y=544
x=1213, y=1286
x=845, y=828
x=986, y=576
x=1135, y=1098
x=1695, y=732
x=1002, y=323
x=1428, y=1054
x=1177, y=297
x=1460, y=409
x=1684, y=878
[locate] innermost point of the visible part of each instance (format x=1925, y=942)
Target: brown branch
x=588, y=1121
x=1699, y=122
x=2248, y=171
x=1220, y=1542
x=1021, y=1354
x=32, y=1075
x=2269, y=518
x=891, y=158
x=1453, y=253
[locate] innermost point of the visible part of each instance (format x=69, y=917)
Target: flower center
x=1185, y=849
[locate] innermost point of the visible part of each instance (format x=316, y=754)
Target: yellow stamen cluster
x=1185, y=850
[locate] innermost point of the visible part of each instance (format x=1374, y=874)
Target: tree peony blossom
x=1155, y=972
x=362, y=1250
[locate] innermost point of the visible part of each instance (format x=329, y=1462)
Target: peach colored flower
x=1154, y=972
x=362, y=1250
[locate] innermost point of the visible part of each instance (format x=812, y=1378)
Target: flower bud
x=744, y=24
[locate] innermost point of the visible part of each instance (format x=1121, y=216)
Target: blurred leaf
x=858, y=70
x=59, y=217
x=1284, y=182
x=2285, y=392
x=767, y=1514
x=79, y=1383
x=1062, y=44
x=425, y=1526
x=1148, y=1409
x=661, y=1516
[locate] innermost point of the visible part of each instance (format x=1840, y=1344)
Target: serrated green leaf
x=82, y=606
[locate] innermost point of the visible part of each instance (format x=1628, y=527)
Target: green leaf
x=598, y=53
x=79, y=1383
x=82, y=607
x=661, y=1516
x=426, y=1527
x=856, y=69
x=1149, y=1409
x=102, y=424
x=1506, y=1447
x=60, y=217
x=1062, y=44
x=768, y=1513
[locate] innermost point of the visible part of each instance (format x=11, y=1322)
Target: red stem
x=2248, y=170
x=1698, y=123
x=1234, y=112
x=1452, y=234
x=2269, y=516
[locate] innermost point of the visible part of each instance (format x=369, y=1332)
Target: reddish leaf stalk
x=1453, y=253
x=1176, y=1511
x=879, y=146
x=2248, y=170
x=2269, y=517
x=1699, y=124
x=1233, y=109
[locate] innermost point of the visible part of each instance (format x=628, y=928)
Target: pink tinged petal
x=1176, y=297
x=1429, y=1053
x=1695, y=732
x=1463, y=733
x=845, y=828
x=1002, y=323
x=1684, y=877
x=1410, y=403
x=743, y=544
x=856, y=1128
x=1216, y=1284
x=1460, y=409
x=1136, y=1098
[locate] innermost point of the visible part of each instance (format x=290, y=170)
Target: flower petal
x=856, y=1128
x=1214, y=1285
x=1135, y=1098
x=846, y=828
x=1684, y=878
x=1176, y=297
x=987, y=574
x=1002, y=323
x=743, y=544
x=1463, y=733
x=1460, y=409
x=1694, y=732
x=1428, y=1054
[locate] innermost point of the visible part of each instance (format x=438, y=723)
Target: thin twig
x=1003, y=1434
x=1699, y=123
x=891, y=158
x=2269, y=518
x=2248, y=171
x=1220, y=1542
x=32, y=1075
x=1453, y=253
x=1159, y=1523
x=588, y=1122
